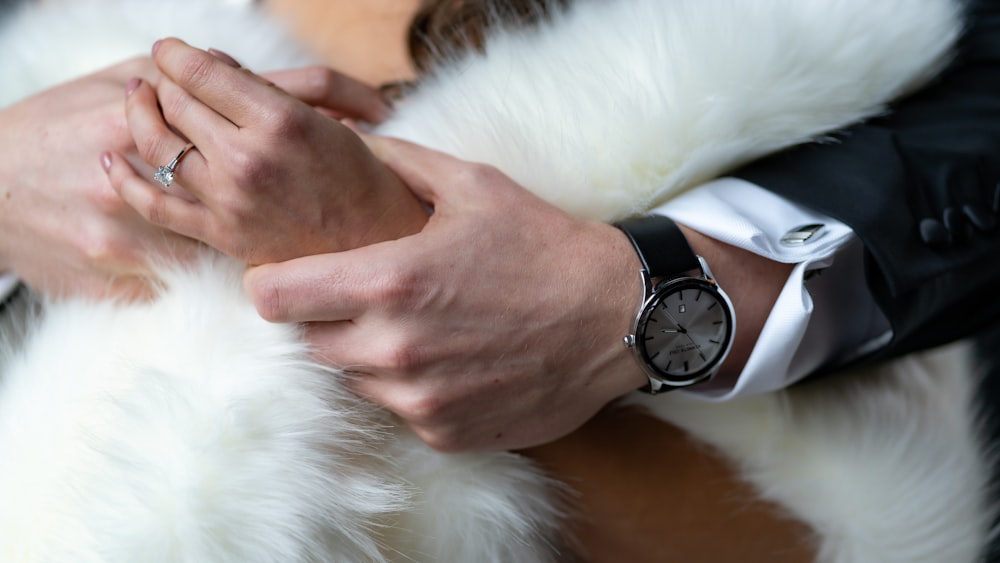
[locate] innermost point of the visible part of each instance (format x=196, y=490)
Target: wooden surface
x=363, y=38
x=650, y=494
x=646, y=493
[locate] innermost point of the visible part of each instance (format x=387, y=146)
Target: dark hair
x=444, y=28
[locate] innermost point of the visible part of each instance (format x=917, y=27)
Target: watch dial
x=687, y=331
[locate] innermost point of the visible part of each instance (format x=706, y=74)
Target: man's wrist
x=626, y=293
x=752, y=283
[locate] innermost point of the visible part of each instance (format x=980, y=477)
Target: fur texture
x=617, y=106
x=190, y=430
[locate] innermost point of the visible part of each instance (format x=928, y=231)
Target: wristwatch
x=685, y=324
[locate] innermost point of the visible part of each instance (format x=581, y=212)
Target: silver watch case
x=660, y=381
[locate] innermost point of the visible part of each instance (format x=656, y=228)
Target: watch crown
x=629, y=341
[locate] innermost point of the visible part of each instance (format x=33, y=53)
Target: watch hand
x=680, y=328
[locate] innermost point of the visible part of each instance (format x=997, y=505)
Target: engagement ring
x=165, y=174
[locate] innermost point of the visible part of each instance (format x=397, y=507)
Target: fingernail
x=106, y=161
x=131, y=85
x=156, y=46
x=224, y=57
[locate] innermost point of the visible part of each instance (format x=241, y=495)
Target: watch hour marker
x=653, y=357
x=702, y=356
x=697, y=297
x=686, y=367
x=714, y=303
x=714, y=341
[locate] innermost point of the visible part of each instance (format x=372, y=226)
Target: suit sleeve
x=921, y=188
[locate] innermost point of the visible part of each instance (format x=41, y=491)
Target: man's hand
x=498, y=326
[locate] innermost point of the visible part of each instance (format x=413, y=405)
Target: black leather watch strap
x=662, y=247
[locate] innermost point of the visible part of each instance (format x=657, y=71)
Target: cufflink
x=801, y=235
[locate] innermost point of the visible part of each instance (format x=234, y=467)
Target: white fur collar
x=621, y=105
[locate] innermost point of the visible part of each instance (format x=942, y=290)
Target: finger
x=138, y=66
x=420, y=168
x=340, y=344
x=152, y=203
x=329, y=287
x=224, y=57
x=157, y=143
x=208, y=130
x=239, y=96
x=325, y=88
x=413, y=402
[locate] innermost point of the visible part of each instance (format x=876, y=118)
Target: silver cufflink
x=801, y=235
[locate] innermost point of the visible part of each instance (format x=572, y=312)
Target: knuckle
x=250, y=169
x=401, y=289
x=286, y=121
x=423, y=409
x=442, y=440
x=174, y=102
x=234, y=210
x=102, y=248
x=152, y=148
x=402, y=358
x=155, y=211
x=477, y=173
x=321, y=82
x=197, y=69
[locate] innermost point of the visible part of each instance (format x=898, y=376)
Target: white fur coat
x=190, y=430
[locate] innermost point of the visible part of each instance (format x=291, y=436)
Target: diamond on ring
x=165, y=174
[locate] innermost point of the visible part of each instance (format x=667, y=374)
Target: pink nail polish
x=106, y=161
x=131, y=85
x=224, y=57
x=156, y=46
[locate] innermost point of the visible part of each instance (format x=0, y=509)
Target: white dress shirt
x=817, y=319
x=824, y=314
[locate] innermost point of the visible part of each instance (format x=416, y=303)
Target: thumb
x=425, y=171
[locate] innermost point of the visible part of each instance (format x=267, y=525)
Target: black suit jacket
x=921, y=188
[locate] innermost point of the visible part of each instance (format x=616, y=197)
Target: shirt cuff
x=823, y=315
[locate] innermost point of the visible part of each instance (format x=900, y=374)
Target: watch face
x=685, y=330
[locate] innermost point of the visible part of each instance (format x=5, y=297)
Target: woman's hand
x=63, y=230
x=271, y=178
